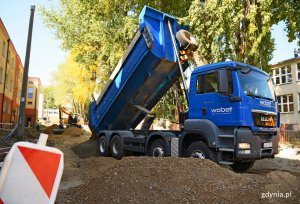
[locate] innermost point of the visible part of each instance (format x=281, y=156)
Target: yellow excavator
x=72, y=120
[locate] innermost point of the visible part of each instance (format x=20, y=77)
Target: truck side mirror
x=223, y=81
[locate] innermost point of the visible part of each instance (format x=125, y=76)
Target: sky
x=46, y=53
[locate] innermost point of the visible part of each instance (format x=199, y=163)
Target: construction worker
x=38, y=125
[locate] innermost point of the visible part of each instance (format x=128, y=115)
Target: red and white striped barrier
x=31, y=173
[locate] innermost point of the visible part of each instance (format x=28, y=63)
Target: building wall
x=41, y=109
x=32, y=100
x=17, y=90
x=10, y=66
x=30, y=115
x=286, y=76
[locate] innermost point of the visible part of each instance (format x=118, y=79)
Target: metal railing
x=290, y=136
x=6, y=126
x=10, y=128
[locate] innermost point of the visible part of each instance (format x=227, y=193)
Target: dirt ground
x=89, y=179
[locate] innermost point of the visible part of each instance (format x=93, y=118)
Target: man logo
x=266, y=103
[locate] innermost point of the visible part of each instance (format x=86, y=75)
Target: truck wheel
x=116, y=147
x=103, y=146
x=158, y=148
x=200, y=150
x=242, y=166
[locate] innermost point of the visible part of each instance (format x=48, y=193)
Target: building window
x=12, y=63
x=282, y=75
x=298, y=102
x=30, y=82
x=1, y=75
x=10, y=85
x=8, y=108
x=29, y=102
x=285, y=103
x=207, y=83
x=298, y=72
x=6, y=81
x=30, y=92
x=4, y=107
x=3, y=48
x=8, y=58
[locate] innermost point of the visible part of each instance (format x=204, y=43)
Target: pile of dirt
x=73, y=131
x=86, y=149
x=49, y=130
x=175, y=180
x=31, y=133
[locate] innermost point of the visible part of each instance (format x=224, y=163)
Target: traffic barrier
x=31, y=173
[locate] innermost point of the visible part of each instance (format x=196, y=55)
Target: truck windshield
x=256, y=84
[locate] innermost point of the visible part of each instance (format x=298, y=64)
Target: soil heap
x=176, y=180
x=49, y=130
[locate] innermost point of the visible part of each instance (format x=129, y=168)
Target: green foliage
x=171, y=104
x=73, y=85
x=241, y=30
x=97, y=33
x=49, y=95
x=100, y=31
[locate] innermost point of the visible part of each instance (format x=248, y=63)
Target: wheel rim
x=198, y=154
x=102, y=145
x=115, y=147
x=158, y=152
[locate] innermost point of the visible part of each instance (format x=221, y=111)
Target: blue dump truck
x=232, y=114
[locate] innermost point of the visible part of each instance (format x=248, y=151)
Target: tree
x=49, y=95
x=241, y=30
x=73, y=85
x=172, y=103
x=98, y=32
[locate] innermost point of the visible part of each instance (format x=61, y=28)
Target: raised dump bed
x=144, y=74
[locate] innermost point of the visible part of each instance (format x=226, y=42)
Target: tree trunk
x=198, y=61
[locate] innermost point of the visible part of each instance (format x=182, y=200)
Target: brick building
x=11, y=71
x=11, y=77
x=286, y=77
x=32, y=100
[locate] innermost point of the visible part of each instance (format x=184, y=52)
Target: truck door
x=208, y=103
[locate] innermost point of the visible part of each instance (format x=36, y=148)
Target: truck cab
x=233, y=108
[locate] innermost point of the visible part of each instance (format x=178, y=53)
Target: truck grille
x=264, y=118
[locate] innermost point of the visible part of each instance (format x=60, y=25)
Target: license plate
x=267, y=144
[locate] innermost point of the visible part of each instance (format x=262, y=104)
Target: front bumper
x=259, y=145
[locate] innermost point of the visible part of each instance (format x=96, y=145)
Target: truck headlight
x=244, y=146
x=244, y=151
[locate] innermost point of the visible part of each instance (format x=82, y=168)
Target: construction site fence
x=290, y=136
x=7, y=126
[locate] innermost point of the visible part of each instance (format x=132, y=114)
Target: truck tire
x=187, y=40
x=242, y=166
x=158, y=148
x=201, y=150
x=116, y=147
x=103, y=148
